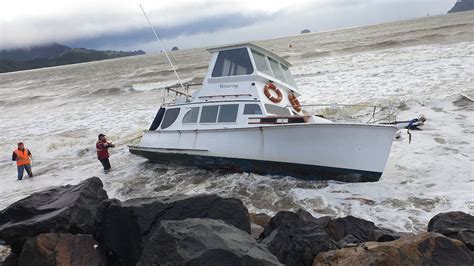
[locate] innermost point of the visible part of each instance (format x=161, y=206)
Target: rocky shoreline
x=80, y=225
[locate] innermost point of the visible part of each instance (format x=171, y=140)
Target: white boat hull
x=344, y=152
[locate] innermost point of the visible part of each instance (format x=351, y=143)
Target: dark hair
x=20, y=143
x=101, y=135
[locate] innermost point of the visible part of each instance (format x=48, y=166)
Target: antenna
x=163, y=47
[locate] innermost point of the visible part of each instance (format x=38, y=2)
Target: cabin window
x=252, y=109
x=277, y=72
x=288, y=76
x=277, y=110
x=228, y=113
x=191, y=116
x=170, y=117
x=209, y=114
x=261, y=62
x=233, y=62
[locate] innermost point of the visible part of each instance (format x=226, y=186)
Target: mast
x=163, y=47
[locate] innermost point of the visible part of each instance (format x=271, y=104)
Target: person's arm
x=14, y=156
x=29, y=154
x=110, y=144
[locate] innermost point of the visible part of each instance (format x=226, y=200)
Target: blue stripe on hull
x=301, y=171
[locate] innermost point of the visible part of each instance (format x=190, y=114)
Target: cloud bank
x=106, y=24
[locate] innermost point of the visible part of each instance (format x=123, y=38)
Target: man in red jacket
x=102, y=147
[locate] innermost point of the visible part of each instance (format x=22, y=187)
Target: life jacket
x=102, y=152
x=23, y=157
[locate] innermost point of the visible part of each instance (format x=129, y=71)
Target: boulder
x=4, y=252
x=61, y=249
x=422, y=249
x=71, y=208
x=10, y=260
x=296, y=238
x=458, y=225
x=305, y=31
x=350, y=229
x=258, y=221
x=203, y=242
x=123, y=227
x=259, y=218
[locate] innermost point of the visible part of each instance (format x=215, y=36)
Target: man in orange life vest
x=22, y=157
x=102, y=147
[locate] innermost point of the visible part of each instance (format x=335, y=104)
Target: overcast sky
x=120, y=25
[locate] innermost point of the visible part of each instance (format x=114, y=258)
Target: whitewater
x=423, y=66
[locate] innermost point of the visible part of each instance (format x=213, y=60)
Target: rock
x=175, y=48
x=203, y=242
x=255, y=230
x=123, y=226
x=5, y=251
x=61, y=249
x=354, y=230
x=457, y=225
x=421, y=249
x=259, y=218
x=11, y=260
x=462, y=5
x=296, y=238
x=71, y=208
x=305, y=31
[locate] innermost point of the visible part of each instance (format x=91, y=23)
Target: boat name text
x=227, y=86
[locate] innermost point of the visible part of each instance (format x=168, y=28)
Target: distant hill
x=53, y=55
x=462, y=5
x=33, y=53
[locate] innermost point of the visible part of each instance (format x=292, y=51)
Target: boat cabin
x=244, y=84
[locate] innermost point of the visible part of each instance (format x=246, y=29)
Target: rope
x=123, y=140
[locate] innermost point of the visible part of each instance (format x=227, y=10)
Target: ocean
x=422, y=66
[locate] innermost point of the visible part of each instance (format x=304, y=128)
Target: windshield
x=272, y=67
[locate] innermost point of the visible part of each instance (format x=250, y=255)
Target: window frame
x=164, y=123
x=231, y=68
x=255, y=104
x=236, y=113
x=202, y=112
x=190, y=109
x=282, y=108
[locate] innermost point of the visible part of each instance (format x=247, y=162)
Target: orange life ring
x=294, y=102
x=271, y=86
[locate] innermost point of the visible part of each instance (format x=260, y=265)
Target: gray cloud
x=192, y=24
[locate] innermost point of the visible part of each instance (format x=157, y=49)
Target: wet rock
x=354, y=230
x=70, y=208
x=259, y=218
x=4, y=252
x=457, y=225
x=296, y=238
x=421, y=249
x=61, y=249
x=255, y=230
x=203, y=242
x=10, y=260
x=123, y=227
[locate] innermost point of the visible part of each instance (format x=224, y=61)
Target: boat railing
x=175, y=88
x=376, y=114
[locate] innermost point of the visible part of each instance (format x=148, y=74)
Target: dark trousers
x=22, y=168
x=105, y=163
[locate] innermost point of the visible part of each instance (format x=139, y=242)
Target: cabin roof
x=252, y=46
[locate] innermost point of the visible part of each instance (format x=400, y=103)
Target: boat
x=246, y=117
